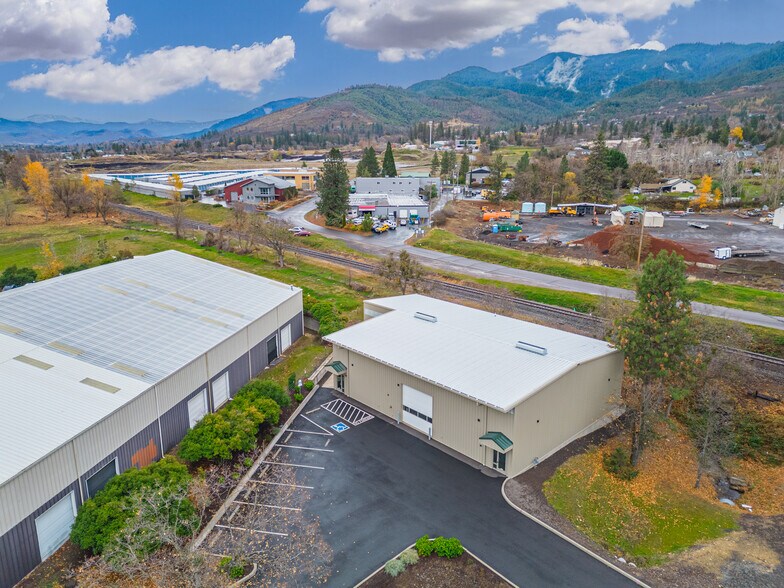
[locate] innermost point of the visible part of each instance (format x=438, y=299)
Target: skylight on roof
x=539, y=350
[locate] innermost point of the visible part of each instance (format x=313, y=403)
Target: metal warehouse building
x=502, y=392
x=106, y=369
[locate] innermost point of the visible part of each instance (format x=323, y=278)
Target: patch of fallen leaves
x=739, y=545
x=766, y=496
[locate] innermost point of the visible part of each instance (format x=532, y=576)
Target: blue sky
x=173, y=60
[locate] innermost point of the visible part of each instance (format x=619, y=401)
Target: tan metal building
x=504, y=393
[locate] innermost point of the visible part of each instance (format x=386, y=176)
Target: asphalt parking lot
x=351, y=497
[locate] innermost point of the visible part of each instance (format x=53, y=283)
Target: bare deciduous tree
x=403, y=271
x=68, y=192
x=7, y=205
x=275, y=235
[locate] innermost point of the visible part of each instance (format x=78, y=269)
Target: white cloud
x=57, y=30
x=498, y=52
x=162, y=72
x=590, y=37
x=120, y=27
x=414, y=29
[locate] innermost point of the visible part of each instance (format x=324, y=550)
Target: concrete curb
x=249, y=474
x=468, y=551
x=596, y=556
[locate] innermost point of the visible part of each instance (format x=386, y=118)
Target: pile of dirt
x=603, y=239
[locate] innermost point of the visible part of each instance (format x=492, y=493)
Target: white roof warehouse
x=107, y=368
x=479, y=383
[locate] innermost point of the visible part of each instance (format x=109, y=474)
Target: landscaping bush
x=448, y=548
x=409, y=557
x=326, y=313
x=618, y=464
x=424, y=546
x=104, y=516
x=394, y=567
x=309, y=385
x=17, y=276
x=292, y=382
x=299, y=397
x=265, y=389
x=220, y=435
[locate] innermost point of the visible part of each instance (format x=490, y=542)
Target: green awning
x=503, y=442
x=337, y=367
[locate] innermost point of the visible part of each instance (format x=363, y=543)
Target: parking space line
x=347, y=412
x=265, y=505
x=308, y=448
x=294, y=465
x=311, y=433
x=314, y=410
x=315, y=423
x=286, y=440
x=327, y=443
x=280, y=484
x=252, y=530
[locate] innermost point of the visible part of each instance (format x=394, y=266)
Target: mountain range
x=629, y=83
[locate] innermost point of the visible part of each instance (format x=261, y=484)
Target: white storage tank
x=540, y=208
x=527, y=208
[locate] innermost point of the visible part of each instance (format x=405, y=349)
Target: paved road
x=386, y=243
x=382, y=488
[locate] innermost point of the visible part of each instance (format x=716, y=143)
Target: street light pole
x=642, y=230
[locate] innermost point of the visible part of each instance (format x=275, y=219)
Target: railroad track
x=585, y=323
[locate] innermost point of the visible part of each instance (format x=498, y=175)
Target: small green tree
x=15, y=277
x=367, y=223
x=435, y=165
x=465, y=164
x=597, y=180
x=195, y=194
x=494, y=181
x=656, y=338
x=334, y=189
x=388, y=168
x=368, y=165
x=523, y=163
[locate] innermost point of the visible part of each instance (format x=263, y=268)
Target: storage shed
x=653, y=219
x=502, y=392
x=107, y=368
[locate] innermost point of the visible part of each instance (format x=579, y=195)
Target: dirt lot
x=694, y=244
x=437, y=572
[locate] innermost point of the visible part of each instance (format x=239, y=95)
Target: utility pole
x=431, y=133
x=642, y=230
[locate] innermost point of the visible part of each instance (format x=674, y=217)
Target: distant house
x=478, y=175
x=256, y=190
x=669, y=186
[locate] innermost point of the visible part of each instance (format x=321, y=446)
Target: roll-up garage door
x=54, y=526
x=197, y=408
x=418, y=410
x=220, y=390
x=285, y=338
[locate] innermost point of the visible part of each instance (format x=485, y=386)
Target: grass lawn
x=640, y=522
x=572, y=300
x=196, y=211
x=301, y=359
x=729, y=295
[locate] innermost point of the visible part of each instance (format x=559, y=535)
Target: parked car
x=303, y=233
x=390, y=225
x=296, y=229
x=403, y=222
x=357, y=221
x=380, y=229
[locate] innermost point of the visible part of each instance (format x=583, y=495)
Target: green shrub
x=104, y=516
x=260, y=408
x=236, y=572
x=299, y=397
x=759, y=436
x=265, y=389
x=367, y=223
x=424, y=546
x=326, y=313
x=448, y=548
x=409, y=557
x=617, y=463
x=292, y=382
x=220, y=435
x=17, y=276
x=309, y=385
x=394, y=567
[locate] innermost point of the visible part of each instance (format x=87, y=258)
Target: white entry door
x=285, y=338
x=197, y=407
x=418, y=410
x=54, y=526
x=220, y=390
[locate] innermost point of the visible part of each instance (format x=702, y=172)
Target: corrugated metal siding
x=19, y=551
x=297, y=326
x=563, y=409
x=222, y=356
x=98, y=441
x=175, y=421
x=239, y=374
x=258, y=357
x=289, y=309
x=24, y=494
x=260, y=329
x=170, y=391
x=458, y=422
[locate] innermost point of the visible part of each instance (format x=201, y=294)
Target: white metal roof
x=471, y=352
x=383, y=199
x=124, y=327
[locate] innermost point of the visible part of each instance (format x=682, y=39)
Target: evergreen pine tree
x=564, y=167
x=435, y=165
x=523, y=163
x=334, y=189
x=596, y=178
x=388, y=169
x=368, y=165
x=465, y=164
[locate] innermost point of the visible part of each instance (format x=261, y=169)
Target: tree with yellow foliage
x=178, y=206
x=737, y=134
x=36, y=178
x=704, y=192
x=52, y=265
x=570, y=188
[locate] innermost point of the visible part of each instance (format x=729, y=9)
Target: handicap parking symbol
x=340, y=427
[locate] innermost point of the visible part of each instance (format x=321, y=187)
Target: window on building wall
x=99, y=479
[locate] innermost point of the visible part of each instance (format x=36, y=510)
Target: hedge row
x=235, y=427
x=104, y=516
x=326, y=313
